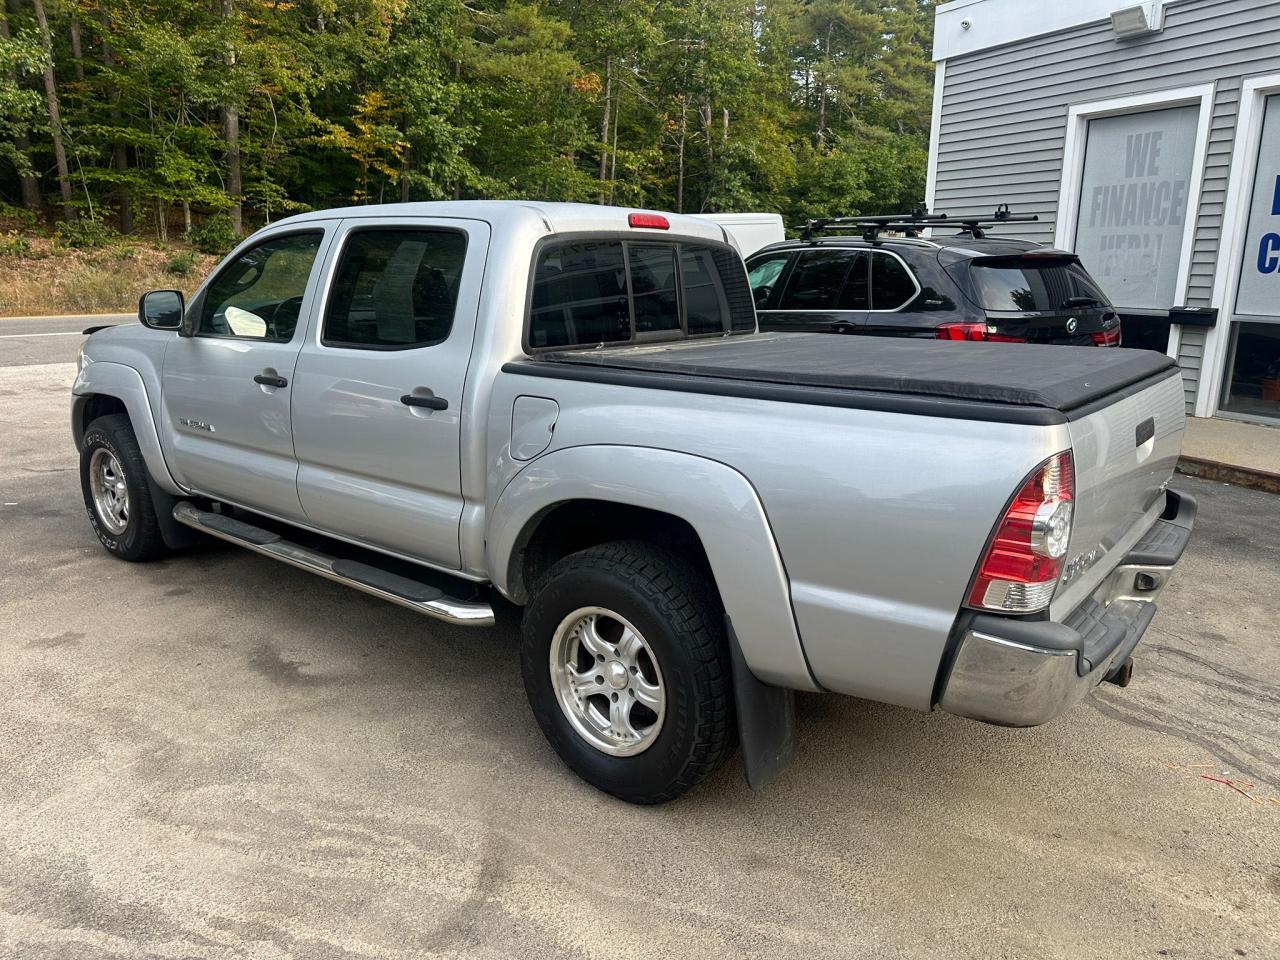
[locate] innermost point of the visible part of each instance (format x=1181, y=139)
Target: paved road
x=218, y=756
x=27, y=341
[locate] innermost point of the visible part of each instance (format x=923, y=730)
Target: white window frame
x=1078, y=117
x=1235, y=224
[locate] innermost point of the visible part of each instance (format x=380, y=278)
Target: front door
x=824, y=291
x=377, y=404
x=227, y=387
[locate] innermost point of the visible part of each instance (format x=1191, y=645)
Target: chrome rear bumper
x=1021, y=673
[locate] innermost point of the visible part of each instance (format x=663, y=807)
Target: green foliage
x=83, y=233
x=806, y=107
x=181, y=263
x=215, y=236
x=14, y=244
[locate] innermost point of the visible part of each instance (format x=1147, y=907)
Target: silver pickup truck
x=570, y=407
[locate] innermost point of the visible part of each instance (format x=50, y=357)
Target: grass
x=47, y=278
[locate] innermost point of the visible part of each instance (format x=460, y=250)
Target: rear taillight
x=1020, y=570
x=1107, y=338
x=973, y=332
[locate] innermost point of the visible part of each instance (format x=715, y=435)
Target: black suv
x=962, y=287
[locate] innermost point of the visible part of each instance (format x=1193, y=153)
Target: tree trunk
x=119, y=151
x=604, y=124
x=77, y=59
x=231, y=136
x=684, y=127
x=55, y=115
x=30, y=187
x=613, y=160
x=186, y=218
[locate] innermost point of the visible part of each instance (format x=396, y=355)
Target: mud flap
x=766, y=720
x=174, y=534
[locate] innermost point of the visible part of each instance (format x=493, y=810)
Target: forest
x=163, y=117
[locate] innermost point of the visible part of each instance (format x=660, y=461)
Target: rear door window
x=395, y=289
x=816, y=280
x=892, y=284
x=855, y=294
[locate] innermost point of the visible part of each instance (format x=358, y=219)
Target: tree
x=55, y=116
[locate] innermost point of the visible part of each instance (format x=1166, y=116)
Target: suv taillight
x=1020, y=570
x=973, y=332
x=1107, y=338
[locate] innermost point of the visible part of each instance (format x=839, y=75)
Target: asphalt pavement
x=219, y=756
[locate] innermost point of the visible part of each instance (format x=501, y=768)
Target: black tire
x=140, y=540
x=674, y=606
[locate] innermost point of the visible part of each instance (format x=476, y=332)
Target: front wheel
x=626, y=666
x=113, y=478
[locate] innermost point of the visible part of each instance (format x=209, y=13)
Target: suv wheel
x=626, y=666
x=113, y=478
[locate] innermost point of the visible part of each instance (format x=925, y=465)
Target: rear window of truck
x=590, y=292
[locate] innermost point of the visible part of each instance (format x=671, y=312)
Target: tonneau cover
x=1029, y=375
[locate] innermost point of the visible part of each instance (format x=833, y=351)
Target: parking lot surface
x=220, y=756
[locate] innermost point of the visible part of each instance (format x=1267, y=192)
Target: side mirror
x=161, y=309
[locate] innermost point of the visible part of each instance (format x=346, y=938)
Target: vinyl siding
x=1004, y=114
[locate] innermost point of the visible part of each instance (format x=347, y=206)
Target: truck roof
x=557, y=217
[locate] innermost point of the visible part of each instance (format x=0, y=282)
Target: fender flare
x=109, y=379
x=717, y=501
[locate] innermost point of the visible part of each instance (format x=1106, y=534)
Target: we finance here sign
x=1260, y=277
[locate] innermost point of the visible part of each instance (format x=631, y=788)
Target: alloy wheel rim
x=607, y=681
x=110, y=491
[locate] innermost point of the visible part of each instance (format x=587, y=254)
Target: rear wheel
x=113, y=479
x=626, y=666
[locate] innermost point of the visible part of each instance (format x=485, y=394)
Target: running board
x=421, y=597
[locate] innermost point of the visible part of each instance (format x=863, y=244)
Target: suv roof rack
x=912, y=223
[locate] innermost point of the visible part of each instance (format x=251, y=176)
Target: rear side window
x=892, y=285
x=395, y=289
x=816, y=280
x=611, y=291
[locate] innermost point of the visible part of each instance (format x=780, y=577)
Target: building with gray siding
x=1148, y=143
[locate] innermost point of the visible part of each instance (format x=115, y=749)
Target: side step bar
x=421, y=597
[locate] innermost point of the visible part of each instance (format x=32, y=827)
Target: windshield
x=1026, y=286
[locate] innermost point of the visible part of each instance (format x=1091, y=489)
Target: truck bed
x=1024, y=383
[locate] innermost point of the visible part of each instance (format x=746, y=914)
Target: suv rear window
x=1031, y=287
x=588, y=292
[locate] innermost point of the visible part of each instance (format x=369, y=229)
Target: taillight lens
x=652, y=221
x=1107, y=338
x=973, y=332
x=1021, y=568
x=961, y=331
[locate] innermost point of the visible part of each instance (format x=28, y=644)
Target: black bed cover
x=1052, y=378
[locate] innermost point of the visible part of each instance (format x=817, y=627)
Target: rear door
x=894, y=290
x=377, y=403
x=824, y=290
x=227, y=387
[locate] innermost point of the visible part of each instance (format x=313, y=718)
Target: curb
x=1263, y=480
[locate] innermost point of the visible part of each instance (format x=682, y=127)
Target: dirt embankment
x=40, y=277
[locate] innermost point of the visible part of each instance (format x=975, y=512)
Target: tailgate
x=1124, y=455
